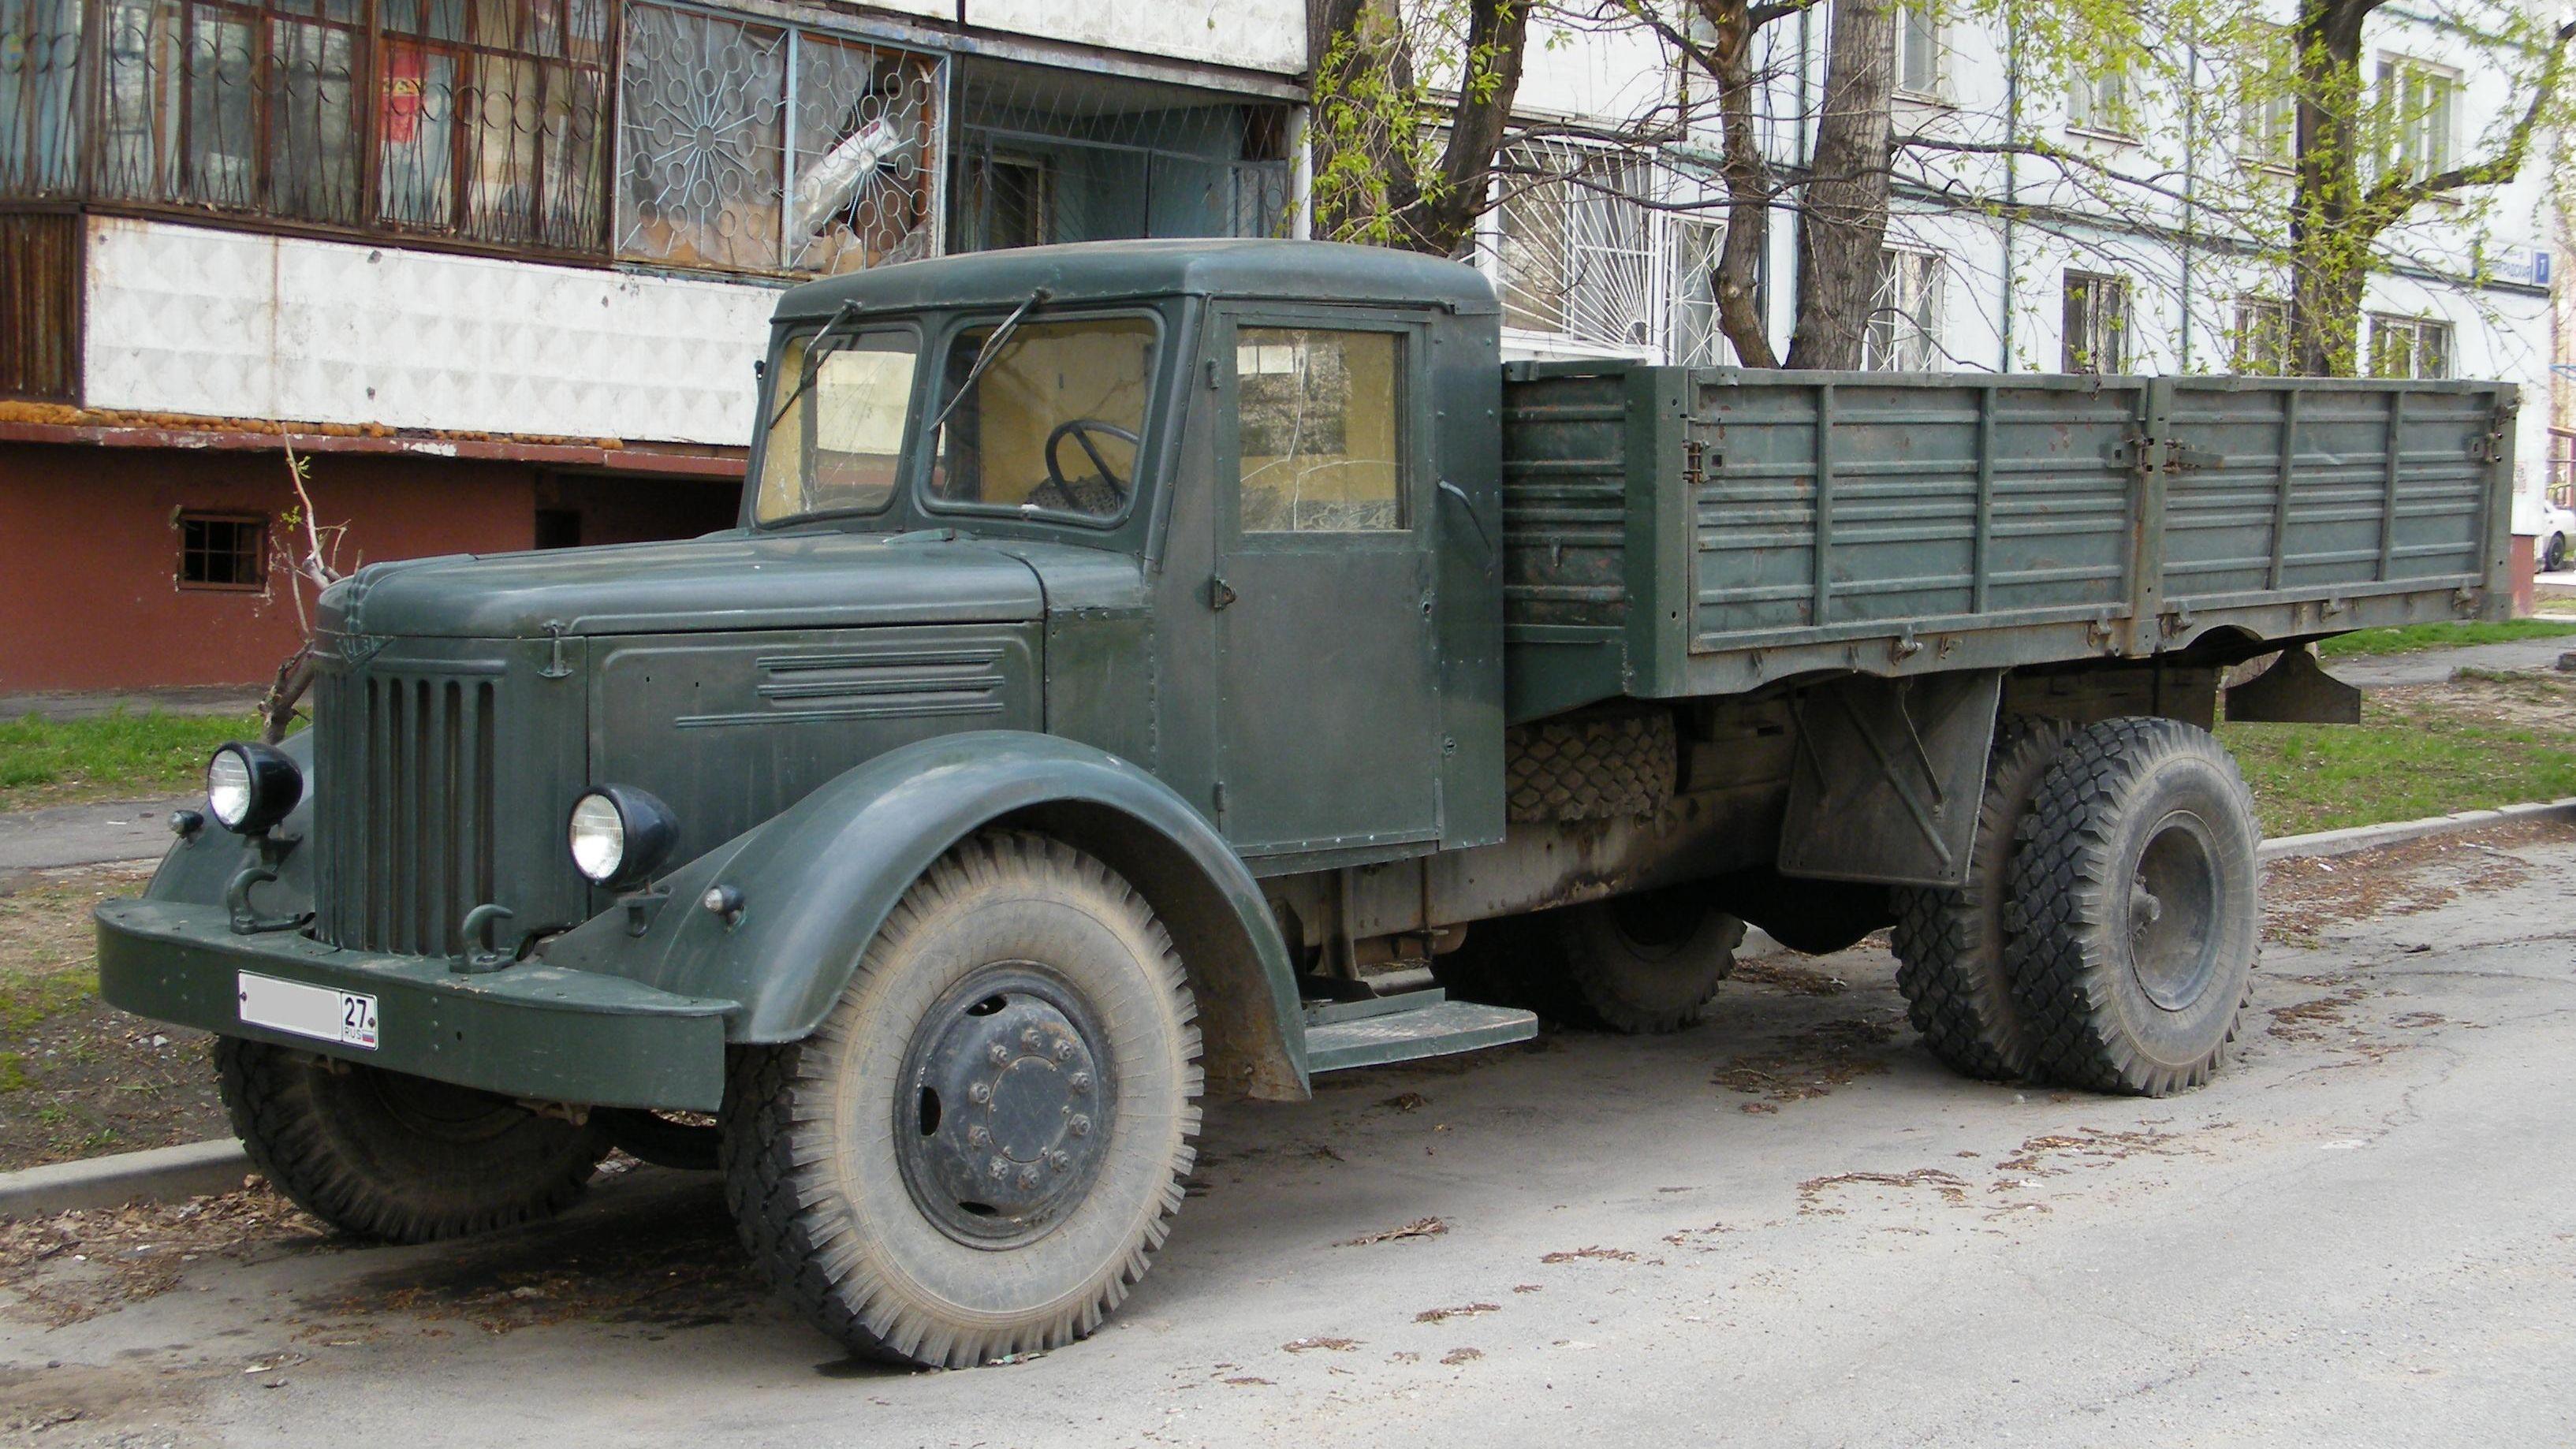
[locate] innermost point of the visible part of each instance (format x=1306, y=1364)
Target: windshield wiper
x=805, y=375
x=983, y=358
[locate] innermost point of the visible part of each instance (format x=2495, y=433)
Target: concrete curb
x=157, y=1175
x=166, y=1173
x=2397, y=832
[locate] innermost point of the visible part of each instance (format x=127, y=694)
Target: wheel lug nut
x=1028, y=1177
x=1000, y=1055
x=1028, y=1036
x=998, y=1170
x=976, y=1136
x=1079, y=1081
x=1059, y=1161
x=980, y=1093
x=1063, y=1051
x=1080, y=1126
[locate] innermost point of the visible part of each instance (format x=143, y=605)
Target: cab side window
x=1319, y=430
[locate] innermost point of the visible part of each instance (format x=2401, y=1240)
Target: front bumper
x=531, y=1030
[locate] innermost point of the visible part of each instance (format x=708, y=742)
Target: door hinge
x=1219, y=594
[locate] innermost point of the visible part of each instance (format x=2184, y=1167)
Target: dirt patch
x=667, y=1260
x=1812, y=1200
x=2051, y=1153
x=77, y=1265
x=2302, y=898
x=1785, y=972
x=2507, y=699
x=78, y=1077
x=2308, y=1020
x=1463, y=1310
x=1810, y=1062
x=1327, y=1345
x=1594, y=1254
x=1418, y=1228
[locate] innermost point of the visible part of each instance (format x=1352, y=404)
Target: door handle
x=1219, y=594
x=1482, y=542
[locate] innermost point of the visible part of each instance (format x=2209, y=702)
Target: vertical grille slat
x=408, y=765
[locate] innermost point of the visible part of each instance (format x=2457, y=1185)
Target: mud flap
x=1888, y=776
x=2295, y=690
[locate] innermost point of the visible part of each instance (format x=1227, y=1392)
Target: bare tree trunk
x=2329, y=257
x=1843, y=225
x=1441, y=218
x=1361, y=56
x=1729, y=60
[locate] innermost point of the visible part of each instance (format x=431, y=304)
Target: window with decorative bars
x=477, y=119
x=760, y=147
x=1577, y=253
x=1905, y=316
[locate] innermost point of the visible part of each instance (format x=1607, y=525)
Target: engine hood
x=727, y=581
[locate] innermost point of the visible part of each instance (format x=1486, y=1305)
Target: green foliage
x=110, y=755
x=2443, y=636
x=2406, y=760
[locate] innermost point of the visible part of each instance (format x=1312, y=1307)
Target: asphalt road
x=2362, y=1234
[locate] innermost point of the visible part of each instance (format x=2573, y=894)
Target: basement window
x=221, y=550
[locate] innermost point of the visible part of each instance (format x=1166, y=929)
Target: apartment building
x=495, y=273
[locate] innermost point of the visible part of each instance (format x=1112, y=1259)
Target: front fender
x=818, y=880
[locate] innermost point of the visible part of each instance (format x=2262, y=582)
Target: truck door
x=1328, y=726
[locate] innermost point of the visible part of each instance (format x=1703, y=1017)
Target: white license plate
x=346, y=1017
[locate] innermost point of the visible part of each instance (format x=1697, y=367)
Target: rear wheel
x=979, y=1149
x=380, y=1154
x=1647, y=963
x=1950, y=944
x=1642, y=964
x=2135, y=909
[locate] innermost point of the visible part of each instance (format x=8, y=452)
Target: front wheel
x=2135, y=914
x=403, y=1159
x=979, y=1149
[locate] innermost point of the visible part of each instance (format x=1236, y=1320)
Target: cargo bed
x=1673, y=532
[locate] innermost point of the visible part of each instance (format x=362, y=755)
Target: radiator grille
x=404, y=799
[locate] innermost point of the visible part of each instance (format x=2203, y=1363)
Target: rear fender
x=818, y=880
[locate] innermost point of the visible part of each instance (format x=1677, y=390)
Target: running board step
x=1345, y=1034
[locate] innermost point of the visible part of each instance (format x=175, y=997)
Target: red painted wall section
x=90, y=598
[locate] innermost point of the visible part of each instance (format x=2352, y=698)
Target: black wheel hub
x=1005, y=1117
x=2173, y=910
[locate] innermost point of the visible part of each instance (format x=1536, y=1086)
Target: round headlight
x=250, y=787
x=598, y=837
x=619, y=835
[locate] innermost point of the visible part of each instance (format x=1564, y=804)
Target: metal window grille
x=478, y=119
x=767, y=148
x=1577, y=252
x=2097, y=323
x=222, y=550
x=1695, y=339
x=1905, y=315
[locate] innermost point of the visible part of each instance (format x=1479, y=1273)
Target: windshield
x=837, y=444
x=1055, y=422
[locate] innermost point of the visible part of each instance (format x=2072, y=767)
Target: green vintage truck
x=1146, y=669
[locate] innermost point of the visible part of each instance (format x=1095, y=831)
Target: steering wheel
x=1080, y=430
